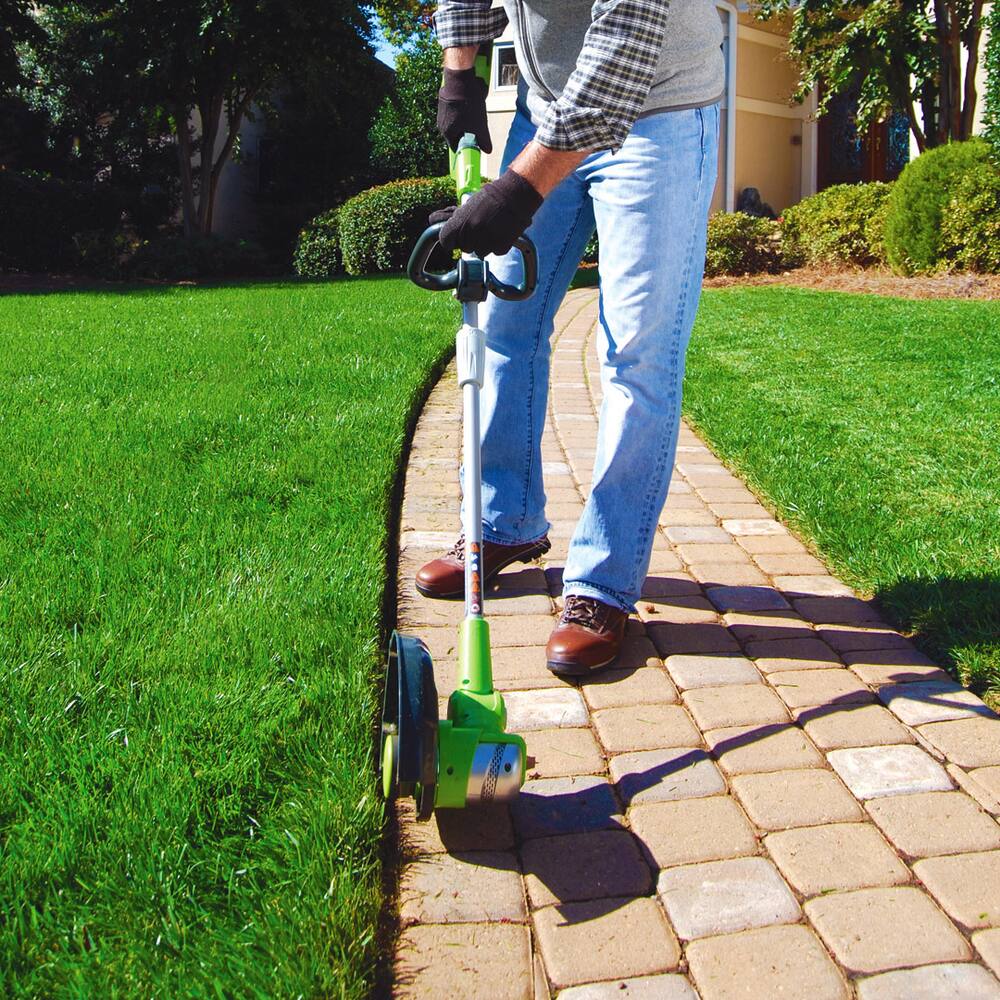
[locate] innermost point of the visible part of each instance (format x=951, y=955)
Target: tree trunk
x=973, y=38
x=188, y=211
x=211, y=118
x=235, y=123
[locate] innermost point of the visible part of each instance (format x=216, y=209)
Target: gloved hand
x=462, y=108
x=492, y=219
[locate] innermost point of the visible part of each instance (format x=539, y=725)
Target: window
x=505, y=71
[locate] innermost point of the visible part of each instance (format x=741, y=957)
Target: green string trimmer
x=467, y=757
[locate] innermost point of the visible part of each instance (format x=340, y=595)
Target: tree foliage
x=902, y=54
x=404, y=137
x=991, y=109
x=404, y=20
x=16, y=26
x=153, y=66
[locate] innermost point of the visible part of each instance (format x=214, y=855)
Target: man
x=617, y=125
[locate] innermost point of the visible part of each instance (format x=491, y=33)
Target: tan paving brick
x=758, y=749
x=962, y=980
x=746, y=598
x=784, y=961
x=780, y=800
x=836, y=727
x=492, y=962
x=728, y=574
x=678, y=610
x=664, y=561
x=485, y=828
x=687, y=517
x=856, y=639
x=759, y=626
x=988, y=945
x=693, y=830
x=637, y=651
x=605, y=939
x=670, y=584
x=667, y=987
x=746, y=526
x=545, y=708
x=932, y=823
x=969, y=743
x=736, y=705
x=966, y=885
x=819, y=859
x=720, y=897
x=821, y=585
x=694, y=552
x=584, y=866
x=879, y=674
x=777, y=543
x=740, y=511
x=711, y=671
x=808, y=688
x=871, y=772
x=837, y=611
x=560, y=752
x=478, y=887
x=645, y=727
x=799, y=652
x=665, y=775
x=549, y=807
x=619, y=688
x=789, y=564
x=710, y=534
x=989, y=778
x=874, y=930
x=672, y=639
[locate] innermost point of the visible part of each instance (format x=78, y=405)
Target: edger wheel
x=410, y=724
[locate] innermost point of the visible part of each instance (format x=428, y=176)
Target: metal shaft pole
x=471, y=355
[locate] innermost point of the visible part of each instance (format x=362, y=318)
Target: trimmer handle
x=428, y=242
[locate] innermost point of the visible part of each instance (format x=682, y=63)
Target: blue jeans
x=650, y=203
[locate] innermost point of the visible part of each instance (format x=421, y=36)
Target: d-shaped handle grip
x=417, y=271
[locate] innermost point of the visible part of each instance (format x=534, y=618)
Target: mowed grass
x=194, y=497
x=872, y=426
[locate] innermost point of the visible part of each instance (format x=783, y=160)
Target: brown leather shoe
x=587, y=638
x=445, y=577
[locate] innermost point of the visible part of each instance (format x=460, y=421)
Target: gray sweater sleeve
x=468, y=22
x=612, y=78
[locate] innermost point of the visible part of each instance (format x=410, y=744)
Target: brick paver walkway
x=773, y=795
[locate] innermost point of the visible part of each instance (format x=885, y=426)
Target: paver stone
x=734, y=705
x=619, y=688
x=560, y=752
x=933, y=823
x=838, y=727
x=966, y=885
x=668, y=987
x=552, y=806
x=665, y=775
x=932, y=701
x=478, y=887
x=711, y=671
x=988, y=945
x=780, y=800
x=807, y=688
x=546, y=708
x=875, y=930
x=966, y=742
x=644, y=727
x=784, y=961
x=962, y=981
x=605, y=939
x=755, y=749
x=720, y=897
x=871, y=772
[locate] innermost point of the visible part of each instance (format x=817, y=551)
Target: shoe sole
x=577, y=669
x=453, y=595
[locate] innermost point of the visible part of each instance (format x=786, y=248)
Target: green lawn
x=194, y=501
x=872, y=426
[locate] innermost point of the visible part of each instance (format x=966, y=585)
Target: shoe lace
x=586, y=612
x=458, y=549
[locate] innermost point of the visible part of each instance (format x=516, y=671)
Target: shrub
x=379, y=227
x=181, y=258
x=918, y=200
x=841, y=225
x=317, y=252
x=43, y=220
x=742, y=244
x=592, y=251
x=970, y=226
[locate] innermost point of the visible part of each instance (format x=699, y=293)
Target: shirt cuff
x=463, y=27
x=572, y=129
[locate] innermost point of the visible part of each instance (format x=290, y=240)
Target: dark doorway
x=849, y=157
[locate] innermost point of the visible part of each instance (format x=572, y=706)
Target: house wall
x=775, y=141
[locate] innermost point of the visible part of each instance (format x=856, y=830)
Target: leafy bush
x=592, y=251
x=317, y=253
x=43, y=220
x=742, y=244
x=181, y=258
x=379, y=227
x=970, y=226
x=404, y=138
x=841, y=225
x=918, y=202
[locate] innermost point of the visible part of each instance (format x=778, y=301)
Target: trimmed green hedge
x=919, y=200
x=970, y=225
x=379, y=227
x=841, y=225
x=742, y=244
x=317, y=252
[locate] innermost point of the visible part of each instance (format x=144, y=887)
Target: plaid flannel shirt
x=613, y=74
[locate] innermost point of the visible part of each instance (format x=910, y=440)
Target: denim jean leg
x=515, y=392
x=651, y=201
